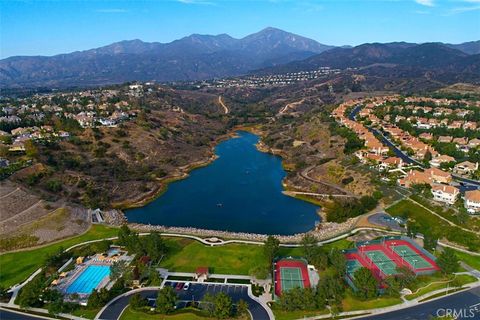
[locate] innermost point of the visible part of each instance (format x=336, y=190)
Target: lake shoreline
x=184, y=172
x=179, y=174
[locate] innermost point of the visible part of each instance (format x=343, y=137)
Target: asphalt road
x=194, y=293
x=9, y=315
x=466, y=305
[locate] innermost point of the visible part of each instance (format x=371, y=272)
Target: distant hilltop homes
x=43, y=118
x=440, y=134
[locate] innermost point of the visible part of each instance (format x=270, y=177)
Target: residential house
x=472, y=201
x=414, y=177
x=460, y=142
x=426, y=136
x=455, y=125
x=437, y=161
x=465, y=167
x=439, y=176
x=474, y=143
x=445, y=193
x=470, y=125
x=445, y=139
x=391, y=162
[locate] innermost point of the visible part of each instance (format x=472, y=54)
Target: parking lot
x=195, y=292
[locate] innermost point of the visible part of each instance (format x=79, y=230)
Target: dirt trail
x=225, y=108
x=289, y=106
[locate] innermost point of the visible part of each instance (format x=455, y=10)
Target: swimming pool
x=89, y=279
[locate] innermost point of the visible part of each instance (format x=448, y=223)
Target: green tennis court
x=413, y=258
x=383, y=262
x=352, y=266
x=291, y=278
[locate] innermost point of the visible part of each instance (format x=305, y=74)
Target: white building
x=472, y=201
x=445, y=193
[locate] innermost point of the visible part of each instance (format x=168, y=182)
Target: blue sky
x=53, y=27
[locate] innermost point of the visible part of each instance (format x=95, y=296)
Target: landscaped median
x=184, y=314
x=457, y=281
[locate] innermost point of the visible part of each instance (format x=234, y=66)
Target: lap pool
x=89, y=279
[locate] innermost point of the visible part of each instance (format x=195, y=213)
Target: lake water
x=240, y=191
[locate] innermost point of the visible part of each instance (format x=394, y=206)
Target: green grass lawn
x=299, y=314
x=428, y=222
x=449, y=213
x=85, y=312
x=187, y=255
x=350, y=303
x=462, y=280
x=472, y=261
x=184, y=255
x=184, y=314
x=17, y=266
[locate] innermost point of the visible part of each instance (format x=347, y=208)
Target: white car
x=186, y=286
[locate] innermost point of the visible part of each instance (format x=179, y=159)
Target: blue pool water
x=240, y=191
x=89, y=279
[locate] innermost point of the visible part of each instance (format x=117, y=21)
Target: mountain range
x=198, y=57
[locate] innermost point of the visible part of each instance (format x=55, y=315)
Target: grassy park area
x=184, y=255
x=460, y=280
x=426, y=222
x=299, y=314
x=351, y=303
x=472, y=261
x=183, y=314
x=17, y=266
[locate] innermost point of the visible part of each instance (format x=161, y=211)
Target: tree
x=166, y=300
x=208, y=303
x=405, y=276
x=138, y=302
x=154, y=277
x=368, y=203
x=223, y=306
x=117, y=269
x=270, y=249
x=30, y=149
x=448, y=261
x=242, y=308
x=429, y=241
x=319, y=258
x=337, y=260
x=309, y=243
x=365, y=283
x=427, y=157
x=154, y=246
x=30, y=294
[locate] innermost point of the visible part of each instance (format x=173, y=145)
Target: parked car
x=186, y=286
x=180, y=286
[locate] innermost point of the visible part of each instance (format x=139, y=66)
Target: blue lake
x=240, y=191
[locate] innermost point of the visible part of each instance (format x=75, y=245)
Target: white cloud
x=428, y=3
x=112, y=10
x=464, y=9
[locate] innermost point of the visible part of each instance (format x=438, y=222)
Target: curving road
x=18, y=315
x=196, y=292
x=465, y=304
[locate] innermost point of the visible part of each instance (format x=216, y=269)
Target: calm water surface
x=240, y=191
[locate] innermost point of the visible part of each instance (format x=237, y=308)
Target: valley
x=263, y=175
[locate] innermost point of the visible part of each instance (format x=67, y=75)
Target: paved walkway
x=403, y=310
